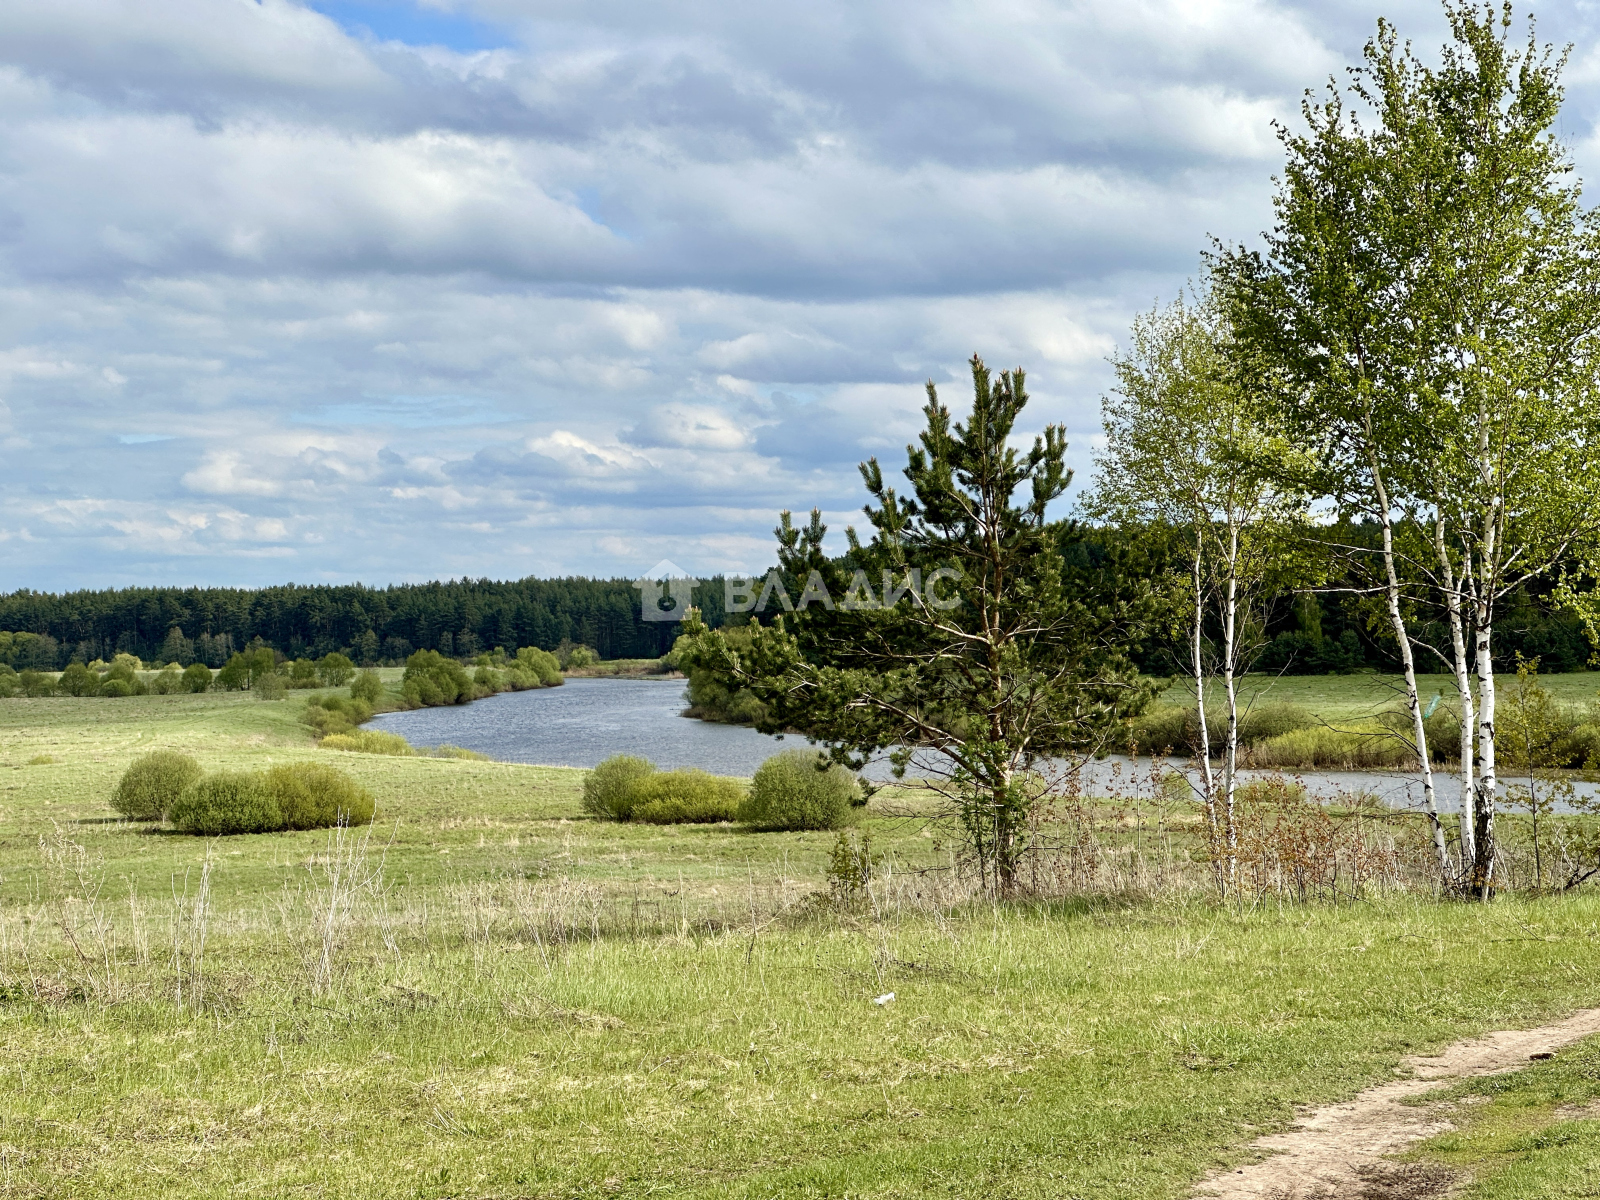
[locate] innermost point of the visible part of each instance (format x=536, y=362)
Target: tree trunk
x=1397, y=618
x=1481, y=881
x=1462, y=669
x=1231, y=762
x=1206, y=780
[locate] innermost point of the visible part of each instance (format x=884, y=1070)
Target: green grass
x=1527, y=1135
x=718, y=1039
x=1338, y=698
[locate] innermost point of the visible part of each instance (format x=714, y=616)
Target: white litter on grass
x=885, y=998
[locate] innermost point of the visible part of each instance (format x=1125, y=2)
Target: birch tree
x=1428, y=306
x=1186, y=447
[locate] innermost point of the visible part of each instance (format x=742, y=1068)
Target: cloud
x=288, y=297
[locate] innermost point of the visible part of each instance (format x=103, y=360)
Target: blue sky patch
x=408, y=22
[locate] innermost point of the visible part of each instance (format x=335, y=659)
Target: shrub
x=78, y=680
x=608, y=790
x=197, y=677
x=270, y=687
x=368, y=741
x=167, y=683
x=1324, y=747
x=10, y=685
x=540, y=665
x=789, y=792
x=1263, y=721
x=315, y=796
x=366, y=686
x=446, y=750
x=302, y=673
x=431, y=680
x=151, y=786
x=335, y=714
x=113, y=687
x=227, y=803
x=37, y=683
x=335, y=670
x=685, y=797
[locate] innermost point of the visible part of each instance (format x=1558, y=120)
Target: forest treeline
x=1328, y=631
x=372, y=626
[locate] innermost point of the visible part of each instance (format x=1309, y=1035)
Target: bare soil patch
x=1338, y=1152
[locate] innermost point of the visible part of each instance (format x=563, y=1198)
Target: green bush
x=1320, y=746
x=368, y=741
x=37, y=683
x=78, y=680
x=1262, y=721
x=335, y=714
x=167, y=682
x=335, y=670
x=10, y=685
x=1177, y=728
x=303, y=673
x=111, y=687
x=432, y=680
x=366, y=686
x=314, y=796
x=270, y=687
x=197, y=677
x=608, y=790
x=688, y=796
x=227, y=803
x=151, y=786
x=789, y=792
x=540, y=665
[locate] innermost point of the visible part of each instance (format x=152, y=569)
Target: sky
x=334, y=290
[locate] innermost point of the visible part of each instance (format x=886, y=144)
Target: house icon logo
x=666, y=591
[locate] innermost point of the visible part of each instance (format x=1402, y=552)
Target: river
x=587, y=720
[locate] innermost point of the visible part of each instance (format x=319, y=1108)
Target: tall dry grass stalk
x=191, y=917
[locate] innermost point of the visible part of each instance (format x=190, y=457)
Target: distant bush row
x=169, y=786
x=432, y=680
x=791, y=790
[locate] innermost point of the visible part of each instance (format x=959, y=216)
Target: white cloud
x=279, y=299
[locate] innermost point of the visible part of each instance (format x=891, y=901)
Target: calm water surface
x=587, y=720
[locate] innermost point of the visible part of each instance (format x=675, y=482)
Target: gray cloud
x=281, y=299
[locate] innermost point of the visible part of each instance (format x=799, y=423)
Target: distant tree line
x=372, y=626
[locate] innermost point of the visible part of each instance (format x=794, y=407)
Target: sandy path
x=1336, y=1153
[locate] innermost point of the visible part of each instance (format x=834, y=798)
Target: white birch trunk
x=1483, y=793
x=1402, y=636
x=1461, y=666
x=1206, y=780
x=1231, y=762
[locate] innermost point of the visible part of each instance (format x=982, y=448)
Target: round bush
x=116, y=687
x=314, y=796
x=151, y=786
x=366, y=686
x=608, y=790
x=788, y=792
x=685, y=797
x=197, y=677
x=228, y=802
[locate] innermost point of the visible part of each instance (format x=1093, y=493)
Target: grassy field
x=1351, y=697
x=498, y=998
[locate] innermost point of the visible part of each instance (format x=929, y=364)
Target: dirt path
x=1336, y=1153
